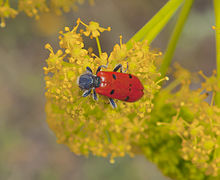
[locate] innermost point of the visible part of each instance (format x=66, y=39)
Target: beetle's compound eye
x=85, y=81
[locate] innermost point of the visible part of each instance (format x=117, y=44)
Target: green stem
x=99, y=46
x=217, y=20
x=175, y=36
x=156, y=24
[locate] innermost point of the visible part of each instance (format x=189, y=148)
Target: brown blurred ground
x=28, y=149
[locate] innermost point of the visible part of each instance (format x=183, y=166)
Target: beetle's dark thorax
x=96, y=81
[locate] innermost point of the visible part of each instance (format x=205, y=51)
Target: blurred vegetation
x=33, y=8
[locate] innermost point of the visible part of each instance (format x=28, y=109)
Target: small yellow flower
x=94, y=29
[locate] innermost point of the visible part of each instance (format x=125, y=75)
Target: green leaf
x=157, y=23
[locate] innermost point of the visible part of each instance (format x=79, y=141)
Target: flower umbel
x=197, y=124
x=83, y=124
x=33, y=8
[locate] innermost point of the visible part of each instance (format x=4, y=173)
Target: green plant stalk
x=217, y=20
x=98, y=46
x=157, y=23
x=175, y=36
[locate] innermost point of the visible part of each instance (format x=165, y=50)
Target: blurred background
x=28, y=149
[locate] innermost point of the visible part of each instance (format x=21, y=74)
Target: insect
x=114, y=85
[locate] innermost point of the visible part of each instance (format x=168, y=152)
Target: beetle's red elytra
x=121, y=86
x=113, y=84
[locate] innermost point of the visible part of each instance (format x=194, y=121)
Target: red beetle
x=114, y=85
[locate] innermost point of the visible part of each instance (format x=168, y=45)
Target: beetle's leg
x=119, y=66
x=89, y=70
x=95, y=95
x=126, y=69
x=102, y=66
x=86, y=93
x=112, y=102
x=99, y=68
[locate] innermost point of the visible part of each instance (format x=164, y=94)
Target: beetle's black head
x=86, y=81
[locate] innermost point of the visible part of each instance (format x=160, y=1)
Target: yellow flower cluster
x=6, y=11
x=197, y=122
x=92, y=126
x=34, y=7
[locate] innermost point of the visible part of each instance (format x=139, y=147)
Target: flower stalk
x=217, y=28
x=98, y=46
x=150, y=30
x=175, y=36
